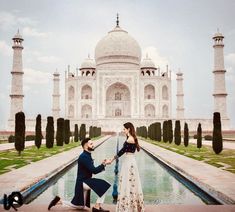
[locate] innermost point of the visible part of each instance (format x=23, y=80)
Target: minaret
x=56, y=96
x=180, y=96
x=17, y=77
x=219, y=76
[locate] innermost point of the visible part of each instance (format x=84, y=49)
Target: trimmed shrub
x=11, y=139
x=186, y=134
x=99, y=131
x=19, y=132
x=165, y=131
x=208, y=137
x=82, y=132
x=169, y=131
x=30, y=138
x=199, y=136
x=38, y=131
x=91, y=134
x=158, y=131
x=145, y=132
x=217, y=141
x=60, y=132
x=50, y=132
x=177, y=133
x=67, y=132
x=76, y=133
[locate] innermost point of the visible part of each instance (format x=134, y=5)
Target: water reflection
x=159, y=187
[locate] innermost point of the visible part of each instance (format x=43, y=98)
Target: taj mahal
x=119, y=85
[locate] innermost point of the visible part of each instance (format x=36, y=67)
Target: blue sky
x=60, y=33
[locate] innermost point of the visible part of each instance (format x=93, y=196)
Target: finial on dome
x=147, y=56
x=117, y=20
x=218, y=29
x=88, y=56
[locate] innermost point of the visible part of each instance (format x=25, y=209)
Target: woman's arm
x=120, y=153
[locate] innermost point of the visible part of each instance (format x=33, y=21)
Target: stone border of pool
x=31, y=177
x=217, y=183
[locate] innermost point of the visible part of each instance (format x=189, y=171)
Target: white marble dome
x=117, y=47
x=88, y=63
x=147, y=63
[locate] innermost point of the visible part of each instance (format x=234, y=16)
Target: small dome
x=88, y=63
x=117, y=47
x=147, y=63
x=18, y=36
x=218, y=34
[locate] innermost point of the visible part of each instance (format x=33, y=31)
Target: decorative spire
x=117, y=20
x=147, y=56
x=88, y=56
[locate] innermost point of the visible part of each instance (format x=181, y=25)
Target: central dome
x=117, y=47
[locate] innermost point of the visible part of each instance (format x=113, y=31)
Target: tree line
x=165, y=133
x=63, y=132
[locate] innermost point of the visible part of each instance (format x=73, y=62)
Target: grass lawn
x=10, y=159
x=225, y=160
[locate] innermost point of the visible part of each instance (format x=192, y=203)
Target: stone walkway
x=226, y=144
x=217, y=182
x=148, y=208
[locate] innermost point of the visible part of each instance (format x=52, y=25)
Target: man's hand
x=104, y=161
x=108, y=162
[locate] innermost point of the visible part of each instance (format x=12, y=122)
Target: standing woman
x=130, y=195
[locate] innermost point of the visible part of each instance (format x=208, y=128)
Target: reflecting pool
x=159, y=186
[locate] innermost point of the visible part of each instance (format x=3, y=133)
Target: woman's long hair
x=130, y=126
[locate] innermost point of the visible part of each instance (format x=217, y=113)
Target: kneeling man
x=85, y=182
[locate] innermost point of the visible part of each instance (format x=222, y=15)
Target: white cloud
x=32, y=77
x=10, y=19
x=155, y=56
x=7, y=20
x=48, y=59
x=230, y=59
x=32, y=32
x=5, y=49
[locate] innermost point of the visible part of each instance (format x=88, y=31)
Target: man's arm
x=86, y=162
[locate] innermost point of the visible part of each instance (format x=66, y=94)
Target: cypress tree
x=177, y=133
x=158, y=131
x=145, y=132
x=38, y=131
x=60, y=132
x=95, y=131
x=50, y=132
x=199, y=136
x=67, y=131
x=165, y=131
x=82, y=132
x=19, y=132
x=76, y=133
x=99, y=131
x=170, y=131
x=91, y=135
x=217, y=140
x=186, y=134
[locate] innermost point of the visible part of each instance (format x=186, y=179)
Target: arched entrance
x=118, y=103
